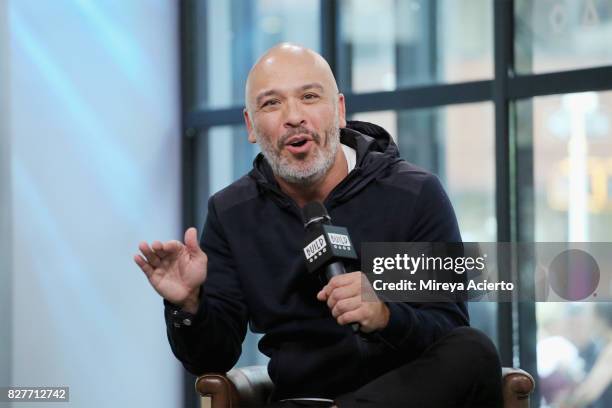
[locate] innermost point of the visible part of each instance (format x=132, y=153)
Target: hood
x=375, y=150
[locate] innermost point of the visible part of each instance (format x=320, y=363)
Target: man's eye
x=269, y=103
x=310, y=96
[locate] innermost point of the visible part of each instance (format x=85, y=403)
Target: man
x=249, y=267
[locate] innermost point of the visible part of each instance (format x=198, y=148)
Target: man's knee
x=474, y=342
x=471, y=353
x=469, y=346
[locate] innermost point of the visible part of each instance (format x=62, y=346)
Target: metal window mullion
x=502, y=20
x=188, y=20
x=524, y=204
x=401, y=99
x=329, y=33
x=580, y=80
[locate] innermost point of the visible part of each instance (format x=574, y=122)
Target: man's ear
x=341, y=111
x=249, y=126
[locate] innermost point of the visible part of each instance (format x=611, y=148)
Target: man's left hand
x=345, y=296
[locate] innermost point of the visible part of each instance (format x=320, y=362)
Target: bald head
x=283, y=64
x=294, y=112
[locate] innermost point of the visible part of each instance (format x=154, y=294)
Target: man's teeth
x=298, y=143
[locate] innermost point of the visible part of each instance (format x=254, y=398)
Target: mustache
x=298, y=131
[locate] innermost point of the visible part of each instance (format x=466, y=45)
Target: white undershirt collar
x=351, y=156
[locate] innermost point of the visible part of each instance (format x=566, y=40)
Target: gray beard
x=293, y=171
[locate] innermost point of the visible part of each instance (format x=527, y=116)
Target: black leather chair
x=248, y=387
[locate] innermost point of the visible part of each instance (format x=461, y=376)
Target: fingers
x=345, y=305
x=345, y=279
x=370, y=316
x=158, y=247
x=150, y=255
x=365, y=315
x=322, y=295
x=158, y=251
x=191, y=239
x=142, y=263
x=339, y=294
x=171, y=247
x=353, y=316
x=350, y=283
x=343, y=295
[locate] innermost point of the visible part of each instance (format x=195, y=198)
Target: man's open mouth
x=299, y=143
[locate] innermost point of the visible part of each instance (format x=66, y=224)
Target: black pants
x=462, y=369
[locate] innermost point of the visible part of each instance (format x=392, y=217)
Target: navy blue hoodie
x=256, y=274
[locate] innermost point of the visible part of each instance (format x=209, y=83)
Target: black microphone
x=326, y=246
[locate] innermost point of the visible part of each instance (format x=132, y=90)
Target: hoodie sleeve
x=413, y=327
x=213, y=340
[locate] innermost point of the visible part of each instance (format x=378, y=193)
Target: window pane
x=556, y=35
x=389, y=44
x=574, y=351
x=572, y=154
x=572, y=169
x=223, y=155
x=237, y=32
x=457, y=144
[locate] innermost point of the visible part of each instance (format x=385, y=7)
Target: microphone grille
x=314, y=211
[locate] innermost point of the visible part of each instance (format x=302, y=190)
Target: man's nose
x=294, y=115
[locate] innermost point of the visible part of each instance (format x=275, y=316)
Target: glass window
x=230, y=155
x=572, y=168
x=223, y=156
x=389, y=44
x=456, y=143
x=574, y=349
x=237, y=32
x=556, y=35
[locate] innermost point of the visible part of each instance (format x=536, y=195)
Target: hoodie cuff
x=401, y=322
x=177, y=318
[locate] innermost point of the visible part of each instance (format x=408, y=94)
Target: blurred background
x=90, y=165
x=118, y=119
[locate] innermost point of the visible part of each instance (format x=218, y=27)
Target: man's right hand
x=175, y=270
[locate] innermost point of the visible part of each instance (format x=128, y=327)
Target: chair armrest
x=517, y=386
x=245, y=387
x=219, y=388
